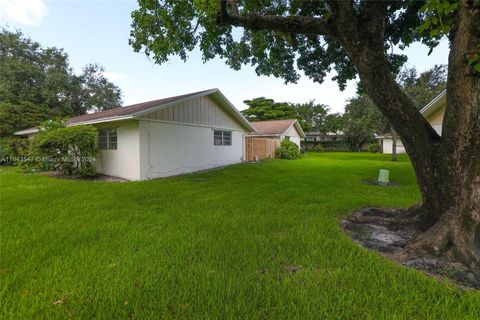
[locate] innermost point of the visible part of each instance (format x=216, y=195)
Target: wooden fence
x=259, y=148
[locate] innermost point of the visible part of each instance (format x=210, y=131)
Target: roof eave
x=238, y=113
x=101, y=120
x=26, y=131
x=298, y=127
x=433, y=105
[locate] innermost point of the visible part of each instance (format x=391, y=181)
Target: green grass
x=251, y=241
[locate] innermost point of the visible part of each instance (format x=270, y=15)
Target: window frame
x=107, y=139
x=222, y=138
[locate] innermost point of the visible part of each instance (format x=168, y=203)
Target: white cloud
x=112, y=76
x=29, y=12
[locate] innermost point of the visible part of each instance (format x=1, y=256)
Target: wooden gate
x=259, y=148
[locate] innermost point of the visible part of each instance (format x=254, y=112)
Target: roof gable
x=142, y=109
x=274, y=127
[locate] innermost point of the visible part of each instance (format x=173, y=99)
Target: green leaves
x=165, y=28
x=43, y=77
x=267, y=109
x=439, y=17
x=70, y=149
x=287, y=150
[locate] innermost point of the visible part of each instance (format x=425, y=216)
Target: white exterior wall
x=125, y=161
x=388, y=144
x=438, y=128
x=293, y=134
x=168, y=149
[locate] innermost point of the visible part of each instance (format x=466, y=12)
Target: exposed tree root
x=441, y=250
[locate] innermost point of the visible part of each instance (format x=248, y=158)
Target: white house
x=433, y=113
x=170, y=136
x=279, y=129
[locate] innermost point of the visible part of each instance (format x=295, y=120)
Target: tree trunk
x=394, y=145
x=448, y=167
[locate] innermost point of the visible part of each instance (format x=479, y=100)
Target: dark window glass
x=107, y=139
x=222, y=138
x=227, y=138
x=112, y=139
x=103, y=139
x=217, y=138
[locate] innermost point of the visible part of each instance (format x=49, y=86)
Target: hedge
x=330, y=146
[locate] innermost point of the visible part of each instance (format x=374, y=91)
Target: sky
x=98, y=32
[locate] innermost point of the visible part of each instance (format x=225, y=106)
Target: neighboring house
x=433, y=113
x=322, y=136
x=170, y=136
x=386, y=143
x=279, y=130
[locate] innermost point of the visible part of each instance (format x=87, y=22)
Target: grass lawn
x=248, y=241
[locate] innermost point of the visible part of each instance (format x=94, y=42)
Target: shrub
x=12, y=149
x=288, y=150
x=318, y=148
x=374, y=148
x=328, y=146
x=70, y=150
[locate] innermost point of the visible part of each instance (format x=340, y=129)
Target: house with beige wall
x=433, y=113
x=279, y=129
x=167, y=137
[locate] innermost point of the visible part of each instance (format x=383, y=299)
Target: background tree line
x=38, y=83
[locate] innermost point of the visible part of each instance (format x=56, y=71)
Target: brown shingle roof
x=273, y=126
x=129, y=110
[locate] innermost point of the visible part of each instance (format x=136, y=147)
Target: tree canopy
x=281, y=38
x=423, y=87
x=310, y=115
x=40, y=82
x=261, y=109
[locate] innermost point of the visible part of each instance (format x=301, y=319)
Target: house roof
x=27, y=131
x=435, y=104
x=139, y=109
x=277, y=127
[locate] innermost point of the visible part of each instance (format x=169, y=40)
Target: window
x=309, y=138
x=222, y=138
x=107, y=139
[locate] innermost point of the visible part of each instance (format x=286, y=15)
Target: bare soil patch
x=390, y=240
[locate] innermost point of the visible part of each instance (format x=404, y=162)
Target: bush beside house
x=70, y=150
x=288, y=150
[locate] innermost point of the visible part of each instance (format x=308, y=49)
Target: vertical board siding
x=201, y=111
x=259, y=148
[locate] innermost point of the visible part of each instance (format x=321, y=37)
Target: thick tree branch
x=290, y=24
x=374, y=13
x=362, y=37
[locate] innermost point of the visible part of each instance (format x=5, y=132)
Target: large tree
x=355, y=37
x=42, y=76
x=261, y=109
x=312, y=115
x=361, y=121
